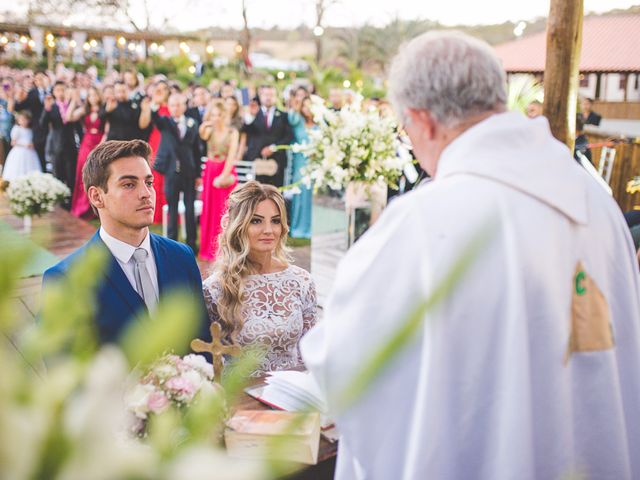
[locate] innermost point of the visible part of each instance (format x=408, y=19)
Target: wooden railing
x=625, y=166
x=619, y=110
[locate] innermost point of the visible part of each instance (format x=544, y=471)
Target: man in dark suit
x=197, y=111
x=176, y=161
x=33, y=101
x=142, y=267
x=269, y=128
x=122, y=114
x=61, y=150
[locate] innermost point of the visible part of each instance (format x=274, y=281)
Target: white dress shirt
x=124, y=255
x=181, y=123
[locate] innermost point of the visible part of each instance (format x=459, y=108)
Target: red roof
x=609, y=44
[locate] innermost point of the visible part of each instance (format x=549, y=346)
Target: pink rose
x=181, y=386
x=157, y=402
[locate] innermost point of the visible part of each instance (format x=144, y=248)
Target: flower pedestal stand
x=26, y=224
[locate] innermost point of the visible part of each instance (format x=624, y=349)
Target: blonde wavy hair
x=232, y=261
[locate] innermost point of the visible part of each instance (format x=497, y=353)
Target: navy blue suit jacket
x=117, y=303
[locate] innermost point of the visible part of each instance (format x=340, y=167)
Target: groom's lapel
x=118, y=280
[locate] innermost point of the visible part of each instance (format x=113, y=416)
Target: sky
x=188, y=15
x=290, y=13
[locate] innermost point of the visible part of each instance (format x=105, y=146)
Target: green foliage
x=72, y=332
x=170, y=328
x=66, y=420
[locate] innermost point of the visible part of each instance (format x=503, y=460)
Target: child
x=22, y=158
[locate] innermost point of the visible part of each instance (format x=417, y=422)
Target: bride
x=258, y=298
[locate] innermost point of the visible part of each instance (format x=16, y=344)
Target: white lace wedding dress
x=279, y=309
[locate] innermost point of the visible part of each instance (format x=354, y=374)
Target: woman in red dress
x=93, y=135
x=219, y=177
x=160, y=97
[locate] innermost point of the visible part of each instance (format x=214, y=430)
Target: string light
x=72, y=43
x=93, y=42
x=161, y=48
x=346, y=84
x=23, y=39
x=86, y=46
x=238, y=48
x=4, y=40
x=280, y=75
x=318, y=31
x=31, y=44
x=122, y=41
x=210, y=49
x=49, y=37
x=192, y=69
x=184, y=47
x=132, y=47
x=153, y=46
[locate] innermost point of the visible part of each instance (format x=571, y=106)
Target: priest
x=530, y=367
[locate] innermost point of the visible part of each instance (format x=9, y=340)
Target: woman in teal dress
x=301, y=120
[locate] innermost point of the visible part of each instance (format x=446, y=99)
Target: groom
x=142, y=266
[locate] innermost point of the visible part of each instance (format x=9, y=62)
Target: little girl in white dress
x=22, y=158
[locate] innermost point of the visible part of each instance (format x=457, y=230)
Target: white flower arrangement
x=35, y=194
x=352, y=145
x=170, y=381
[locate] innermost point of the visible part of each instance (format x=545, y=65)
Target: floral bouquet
x=171, y=381
x=35, y=194
x=352, y=145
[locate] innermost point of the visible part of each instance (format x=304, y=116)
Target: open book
x=292, y=391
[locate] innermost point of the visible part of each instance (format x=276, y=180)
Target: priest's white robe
x=485, y=390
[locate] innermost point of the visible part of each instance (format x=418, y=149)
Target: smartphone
x=244, y=94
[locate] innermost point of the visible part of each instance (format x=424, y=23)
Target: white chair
x=197, y=207
x=605, y=167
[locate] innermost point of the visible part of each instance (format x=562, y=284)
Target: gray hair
x=448, y=73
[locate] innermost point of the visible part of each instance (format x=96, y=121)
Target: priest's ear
x=421, y=122
x=96, y=198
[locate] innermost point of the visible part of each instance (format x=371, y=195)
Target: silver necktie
x=143, y=279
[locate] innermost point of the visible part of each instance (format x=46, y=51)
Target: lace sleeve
x=211, y=292
x=309, y=305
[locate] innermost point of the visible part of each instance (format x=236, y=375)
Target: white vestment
x=485, y=391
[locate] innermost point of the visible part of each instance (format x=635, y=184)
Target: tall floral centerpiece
x=35, y=194
x=357, y=150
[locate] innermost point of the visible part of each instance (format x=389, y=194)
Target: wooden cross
x=216, y=348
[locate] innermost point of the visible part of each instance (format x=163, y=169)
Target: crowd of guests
x=52, y=121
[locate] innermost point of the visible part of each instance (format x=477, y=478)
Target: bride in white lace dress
x=258, y=298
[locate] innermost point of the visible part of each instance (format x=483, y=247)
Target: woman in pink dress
x=219, y=177
x=160, y=97
x=93, y=135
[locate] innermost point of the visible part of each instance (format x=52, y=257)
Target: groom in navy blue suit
x=142, y=266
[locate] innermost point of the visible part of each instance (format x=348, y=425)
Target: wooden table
x=324, y=469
